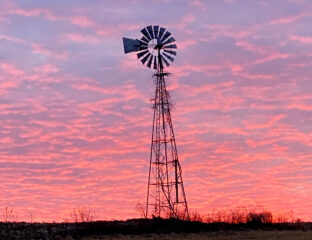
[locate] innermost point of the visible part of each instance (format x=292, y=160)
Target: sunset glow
x=76, y=114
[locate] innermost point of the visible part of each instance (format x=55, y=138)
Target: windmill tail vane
x=165, y=190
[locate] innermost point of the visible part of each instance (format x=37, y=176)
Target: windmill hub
x=152, y=48
x=159, y=46
x=151, y=44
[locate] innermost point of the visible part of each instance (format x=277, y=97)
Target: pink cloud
x=289, y=19
x=306, y=40
x=266, y=124
x=186, y=44
x=47, y=69
x=218, y=30
x=204, y=68
x=82, y=21
x=198, y=3
x=12, y=39
x=39, y=49
x=31, y=12
x=11, y=69
x=183, y=23
x=273, y=56
x=35, y=12
x=114, y=30
x=253, y=47
x=127, y=91
x=79, y=38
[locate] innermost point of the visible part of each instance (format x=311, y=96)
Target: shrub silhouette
x=247, y=214
x=259, y=218
x=195, y=216
x=8, y=215
x=141, y=208
x=82, y=214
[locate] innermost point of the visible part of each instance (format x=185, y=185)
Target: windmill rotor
x=156, y=46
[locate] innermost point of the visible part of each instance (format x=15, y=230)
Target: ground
x=224, y=235
x=155, y=229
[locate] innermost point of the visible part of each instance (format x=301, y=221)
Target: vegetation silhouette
x=82, y=214
x=141, y=226
x=79, y=225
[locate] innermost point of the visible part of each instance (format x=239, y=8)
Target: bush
x=259, y=218
x=82, y=214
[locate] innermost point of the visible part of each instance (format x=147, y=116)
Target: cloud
x=290, y=19
x=10, y=69
x=13, y=39
x=186, y=44
x=79, y=38
x=39, y=49
x=301, y=39
x=76, y=115
x=82, y=21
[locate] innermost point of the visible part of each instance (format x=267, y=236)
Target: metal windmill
x=165, y=191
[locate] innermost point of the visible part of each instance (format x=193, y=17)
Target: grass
x=222, y=235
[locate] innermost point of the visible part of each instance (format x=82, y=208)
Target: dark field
x=241, y=235
x=154, y=229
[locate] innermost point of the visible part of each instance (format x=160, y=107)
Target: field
x=223, y=235
x=155, y=229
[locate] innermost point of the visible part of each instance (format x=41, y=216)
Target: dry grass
x=228, y=235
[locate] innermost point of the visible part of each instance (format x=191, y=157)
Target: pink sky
x=76, y=115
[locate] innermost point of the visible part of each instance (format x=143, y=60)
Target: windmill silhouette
x=165, y=190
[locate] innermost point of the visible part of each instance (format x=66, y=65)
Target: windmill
x=165, y=190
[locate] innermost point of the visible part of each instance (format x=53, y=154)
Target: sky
x=76, y=115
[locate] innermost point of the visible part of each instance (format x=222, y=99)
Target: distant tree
x=140, y=207
x=31, y=216
x=8, y=215
x=82, y=214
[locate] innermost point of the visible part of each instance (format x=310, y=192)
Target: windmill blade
x=163, y=59
x=158, y=41
x=145, y=33
x=142, y=48
x=170, y=40
x=144, y=39
x=150, y=31
x=171, y=52
x=156, y=30
x=143, y=60
x=155, y=62
x=171, y=46
x=169, y=57
x=142, y=43
x=141, y=54
x=167, y=34
x=161, y=33
x=149, y=64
